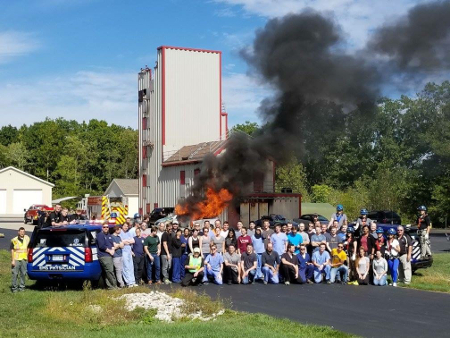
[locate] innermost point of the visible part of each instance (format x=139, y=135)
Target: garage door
x=22, y=199
x=2, y=201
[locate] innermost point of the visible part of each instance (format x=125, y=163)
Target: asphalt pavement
x=368, y=311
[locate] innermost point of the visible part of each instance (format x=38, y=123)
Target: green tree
x=292, y=175
x=18, y=155
x=248, y=127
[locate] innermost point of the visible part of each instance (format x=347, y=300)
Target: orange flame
x=211, y=206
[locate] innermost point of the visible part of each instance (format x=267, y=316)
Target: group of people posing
x=313, y=253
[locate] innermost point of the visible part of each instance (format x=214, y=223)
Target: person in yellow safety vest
x=19, y=247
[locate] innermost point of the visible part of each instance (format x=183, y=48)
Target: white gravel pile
x=168, y=308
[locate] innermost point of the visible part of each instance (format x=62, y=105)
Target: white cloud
x=357, y=17
x=14, y=44
x=242, y=96
x=82, y=96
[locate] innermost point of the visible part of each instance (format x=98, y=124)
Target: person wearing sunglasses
x=106, y=252
x=305, y=266
x=213, y=266
x=339, y=271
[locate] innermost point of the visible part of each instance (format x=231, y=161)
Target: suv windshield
x=60, y=238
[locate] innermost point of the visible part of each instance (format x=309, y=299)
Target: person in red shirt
x=243, y=240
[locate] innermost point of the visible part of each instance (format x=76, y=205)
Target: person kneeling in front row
x=380, y=268
x=321, y=261
x=194, y=269
x=232, y=262
x=289, y=266
x=249, y=265
x=270, y=265
x=339, y=271
x=213, y=266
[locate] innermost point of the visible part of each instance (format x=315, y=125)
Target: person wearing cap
x=213, y=266
x=305, y=266
x=423, y=230
x=361, y=222
x=18, y=249
x=259, y=249
x=380, y=242
x=392, y=253
x=194, y=269
x=339, y=271
x=321, y=260
x=339, y=216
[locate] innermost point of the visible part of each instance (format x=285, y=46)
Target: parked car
x=274, y=219
x=306, y=218
x=159, y=213
x=67, y=253
x=385, y=217
x=33, y=213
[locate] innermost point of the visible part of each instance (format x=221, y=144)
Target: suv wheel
x=25, y=221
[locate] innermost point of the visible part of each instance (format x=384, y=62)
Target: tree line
x=78, y=158
x=395, y=157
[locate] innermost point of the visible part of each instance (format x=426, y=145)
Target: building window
x=144, y=152
x=144, y=180
x=182, y=177
x=144, y=123
x=196, y=172
x=147, y=207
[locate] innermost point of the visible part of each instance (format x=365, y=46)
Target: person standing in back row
x=339, y=216
x=405, y=243
x=106, y=251
x=18, y=249
x=423, y=230
x=166, y=257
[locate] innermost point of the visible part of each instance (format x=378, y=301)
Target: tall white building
x=181, y=119
x=180, y=109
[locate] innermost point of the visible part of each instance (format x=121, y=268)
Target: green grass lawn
x=436, y=278
x=38, y=313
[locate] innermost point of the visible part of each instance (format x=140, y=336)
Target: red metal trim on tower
x=163, y=104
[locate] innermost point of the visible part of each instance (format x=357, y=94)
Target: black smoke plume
x=316, y=81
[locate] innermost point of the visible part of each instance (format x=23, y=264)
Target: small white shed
x=19, y=190
x=128, y=188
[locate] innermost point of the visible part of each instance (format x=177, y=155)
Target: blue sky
x=79, y=59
